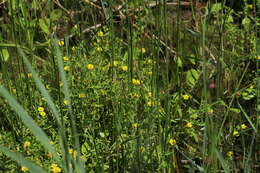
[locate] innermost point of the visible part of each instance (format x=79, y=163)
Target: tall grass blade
x=79, y=164
x=222, y=161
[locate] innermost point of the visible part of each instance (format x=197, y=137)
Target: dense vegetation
x=129, y=86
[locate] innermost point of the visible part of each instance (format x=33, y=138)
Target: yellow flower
x=14, y=90
x=149, y=103
x=73, y=152
x=250, y=6
x=99, y=49
x=172, y=142
x=189, y=125
x=55, y=168
x=67, y=68
x=243, y=126
x=100, y=34
x=150, y=94
x=61, y=43
x=134, y=95
x=143, y=50
x=24, y=169
x=210, y=111
x=124, y=68
x=90, y=66
x=29, y=75
x=186, y=97
x=149, y=73
x=258, y=57
x=115, y=63
x=135, y=125
x=82, y=95
x=26, y=144
x=43, y=114
x=66, y=102
x=98, y=40
x=65, y=58
x=235, y=133
x=230, y=153
x=136, y=82
x=40, y=109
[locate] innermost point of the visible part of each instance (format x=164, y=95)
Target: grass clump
x=140, y=86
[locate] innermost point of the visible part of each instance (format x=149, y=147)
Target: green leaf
x=192, y=76
x=235, y=110
x=216, y=8
x=21, y=160
x=5, y=54
x=246, y=22
x=43, y=25
x=55, y=14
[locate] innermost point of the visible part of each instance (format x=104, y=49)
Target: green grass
x=154, y=86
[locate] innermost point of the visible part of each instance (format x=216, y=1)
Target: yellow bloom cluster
x=189, y=125
x=90, y=66
x=99, y=49
x=143, y=50
x=61, y=43
x=136, y=82
x=230, y=153
x=41, y=111
x=66, y=102
x=243, y=126
x=172, y=142
x=186, y=97
x=66, y=68
x=65, y=58
x=115, y=63
x=24, y=169
x=55, y=168
x=73, y=152
x=135, y=125
x=29, y=75
x=235, y=133
x=124, y=68
x=26, y=144
x=136, y=95
x=100, y=34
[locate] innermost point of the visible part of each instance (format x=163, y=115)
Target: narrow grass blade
x=248, y=119
x=79, y=165
x=21, y=160
x=222, y=161
x=28, y=121
x=41, y=87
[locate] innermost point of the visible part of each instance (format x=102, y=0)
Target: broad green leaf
x=21, y=160
x=216, y=8
x=43, y=25
x=192, y=76
x=5, y=54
